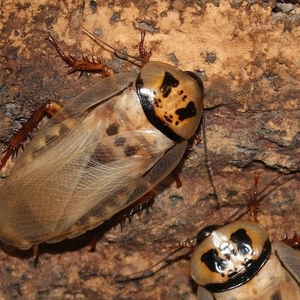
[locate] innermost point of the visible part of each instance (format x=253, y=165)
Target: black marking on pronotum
x=214, y=262
x=168, y=119
x=187, y=112
x=243, y=241
x=184, y=97
x=146, y=100
x=168, y=83
x=239, y=279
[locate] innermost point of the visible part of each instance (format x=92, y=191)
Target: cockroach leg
x=93, y=244
x=50, y=108
x=126, y=213
x=176, y=177
x=198, y=139
x=190, y=243
x=293, y=242
x=85, y=64
x=254, y=201
x=35, y=250
x=135, y=208
x=143, y=53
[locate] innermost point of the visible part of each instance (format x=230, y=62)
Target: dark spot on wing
x=112, y=129
x=131, y=150
x=120, y=141
x=63, y=128
x=101, y=155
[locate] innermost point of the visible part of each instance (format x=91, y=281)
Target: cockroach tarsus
x=144, y=54
x=142, y=58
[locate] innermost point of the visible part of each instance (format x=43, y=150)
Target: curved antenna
x=151, y=271
x=124, y=56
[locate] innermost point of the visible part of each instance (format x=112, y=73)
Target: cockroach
x=237, y=260
x=98, y=154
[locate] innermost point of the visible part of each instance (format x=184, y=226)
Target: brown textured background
x=247, y=54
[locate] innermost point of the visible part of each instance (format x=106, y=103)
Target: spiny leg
x=143, y=53
x=127, y=214
x=50, y=108
x=82, y=65
x=254, y=203
x=293, y=242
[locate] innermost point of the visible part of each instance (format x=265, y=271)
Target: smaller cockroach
x=237, y=261
x=100, y=153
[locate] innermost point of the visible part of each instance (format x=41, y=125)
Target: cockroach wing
x=204, y=294
x=160, y=170
x=94, y=158
x=60, y=126
x=289, y=258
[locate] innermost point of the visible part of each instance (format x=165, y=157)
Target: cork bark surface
x=247, y=54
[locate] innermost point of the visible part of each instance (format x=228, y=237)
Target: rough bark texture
x=247, y=54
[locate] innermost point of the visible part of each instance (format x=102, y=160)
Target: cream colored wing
x=204, y=294
x=82, y=168
x=289, y=258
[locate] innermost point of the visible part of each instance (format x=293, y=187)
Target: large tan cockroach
x=100, y=153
